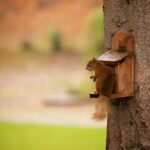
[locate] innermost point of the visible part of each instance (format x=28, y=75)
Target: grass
x=45, y=137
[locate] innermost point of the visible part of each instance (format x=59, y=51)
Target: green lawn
x=45, y=137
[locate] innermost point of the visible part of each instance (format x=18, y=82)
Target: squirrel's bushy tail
x=101, y=108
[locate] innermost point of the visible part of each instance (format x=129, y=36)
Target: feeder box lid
x=112, y=57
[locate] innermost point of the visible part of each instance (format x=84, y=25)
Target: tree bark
x=129, y=119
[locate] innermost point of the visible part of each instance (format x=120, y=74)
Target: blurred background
x=44, y=87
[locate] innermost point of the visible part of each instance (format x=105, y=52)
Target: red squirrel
x=104, y=78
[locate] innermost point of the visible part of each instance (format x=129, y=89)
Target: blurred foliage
x=94, y=33
x=83, y=89
x=55, y=40
x=87, y=86
x=45, y=137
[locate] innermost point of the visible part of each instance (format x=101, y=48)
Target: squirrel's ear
x=94, y=58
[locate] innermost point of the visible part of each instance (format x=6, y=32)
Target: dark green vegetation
x=94, y=33
x=55, y=40
x=44, y=137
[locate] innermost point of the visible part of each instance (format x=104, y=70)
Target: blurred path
x=56, y=115
x=26, y=81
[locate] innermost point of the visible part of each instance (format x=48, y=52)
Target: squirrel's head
x=91, y=65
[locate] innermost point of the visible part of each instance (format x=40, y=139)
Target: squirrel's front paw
x=91, y=77
x=94, y=79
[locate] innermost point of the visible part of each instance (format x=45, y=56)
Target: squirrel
x=104, y=78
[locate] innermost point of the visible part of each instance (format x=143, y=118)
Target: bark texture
x=129, y=120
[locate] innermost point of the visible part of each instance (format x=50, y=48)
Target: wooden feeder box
x=121, y=59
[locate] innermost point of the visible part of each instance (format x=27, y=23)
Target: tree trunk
x=129, y=119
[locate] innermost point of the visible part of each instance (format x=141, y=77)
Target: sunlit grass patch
x=44, y=137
